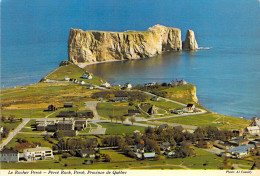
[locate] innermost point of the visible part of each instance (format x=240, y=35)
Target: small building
x=90, y=87
x=52, y=107
x=189, y=108
x=82, y=83
x=38, y=153
x=138, y=155
x=85, y=114
x=255, y=122
x=150, y=84
x=121, y=98
x=233, y=151
x=86, y=75
x=240, y=153
x=139, y=148
x=66, y=78
x=9, y=155
x=137, y=132
x=153, y=110
x=149, y=155
x=80, y=125
x=238, y=141
x=177, y=111
x=105, y=84
x=65, y=125
x=68, y=105
x=132, y=112
x=128, y=86
x=87, y=153
x=252, y=130
x=1, y=129
x=155, y=98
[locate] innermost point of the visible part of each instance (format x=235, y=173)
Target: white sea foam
x=204, y=48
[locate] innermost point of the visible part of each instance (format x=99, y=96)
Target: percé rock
x=190, y=42
x=97, y=46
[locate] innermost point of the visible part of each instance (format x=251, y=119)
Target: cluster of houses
x=68, y=127
x=254, y=128
x=29, y=154
x=86, y=75
x=237, y=147
x=178, y=82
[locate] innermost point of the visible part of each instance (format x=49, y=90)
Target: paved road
x=13, y=133
x=92, y=105
x=98, y=130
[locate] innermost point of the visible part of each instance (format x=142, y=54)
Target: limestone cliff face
x=190, y=42
x=96, y=46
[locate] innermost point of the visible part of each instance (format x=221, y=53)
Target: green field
x=166, y=105
x=210, y=119
x=118, y=128
x=9, y=125
x=117, y=109
x=30, y=138
x=72, y=71
x=27, y=113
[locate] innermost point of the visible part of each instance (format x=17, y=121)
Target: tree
x=107, y=158
x=117, y=118
x=3, y=118
x=122, y=118
x=111, y=117
x=5, y=132
x=132, y=119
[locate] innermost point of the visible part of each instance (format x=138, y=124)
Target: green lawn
x=117, y=156
x=9, y=125
x=26, y=113
x=72, y=71
x=113, y=128
x=119, y=109
x=166, y=105
x=30, y=138
x=210, y=119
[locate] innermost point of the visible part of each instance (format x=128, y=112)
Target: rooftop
x=37, y=149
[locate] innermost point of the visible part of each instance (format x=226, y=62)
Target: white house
x=105, y=84
x=66, y=78
x=82, y=83
x=9, y=155
x=128, y=86
x=87, y=75
x=38, y=153
x=253, y=129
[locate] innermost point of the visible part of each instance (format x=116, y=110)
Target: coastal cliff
x=98, y=46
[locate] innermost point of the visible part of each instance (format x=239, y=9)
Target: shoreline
x=83, y=65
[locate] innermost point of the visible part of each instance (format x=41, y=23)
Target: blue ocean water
x=34, y=41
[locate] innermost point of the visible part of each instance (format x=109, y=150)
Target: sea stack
x=190, y=42
x=98, y=46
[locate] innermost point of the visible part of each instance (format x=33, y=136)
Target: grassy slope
x=72, y=71
x=210, y=119
x=106, y=109
x=30, y=138
x=30, y=102
x=113, y=128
